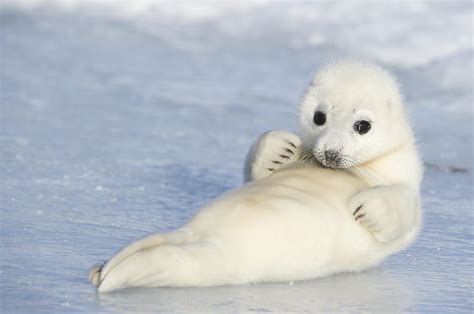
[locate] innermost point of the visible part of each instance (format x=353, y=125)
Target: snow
x=121, y=119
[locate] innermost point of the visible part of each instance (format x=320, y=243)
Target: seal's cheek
x=368, y=147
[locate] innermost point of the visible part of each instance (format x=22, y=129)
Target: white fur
x=298, y=220
x=271, y=151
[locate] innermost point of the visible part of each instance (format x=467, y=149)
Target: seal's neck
x=399, y=166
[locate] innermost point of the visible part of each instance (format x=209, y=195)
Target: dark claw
x=270, y=169
x=360, y=216
x=284, y=156
x=357, y=210
x=293, y=145
x=289, y=151
x=277, y=162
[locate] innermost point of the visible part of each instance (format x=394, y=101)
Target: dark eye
x=362, y=127
x=319, y=118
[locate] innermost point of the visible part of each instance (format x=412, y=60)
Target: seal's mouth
x=342, y=162
x=330, y=164
x=329, y=160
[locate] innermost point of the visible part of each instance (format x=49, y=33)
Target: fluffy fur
x=299, y=216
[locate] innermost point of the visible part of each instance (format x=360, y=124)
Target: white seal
x=341, y=196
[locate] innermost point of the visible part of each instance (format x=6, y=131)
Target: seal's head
x=352, y=113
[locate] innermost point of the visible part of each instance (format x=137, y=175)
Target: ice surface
x=122, y=119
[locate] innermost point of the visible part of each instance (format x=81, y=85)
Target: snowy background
x=122, y=118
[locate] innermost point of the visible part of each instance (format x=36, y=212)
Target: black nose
x=331, y=155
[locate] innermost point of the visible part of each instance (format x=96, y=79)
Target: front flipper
x=270, y=152
x=388, y=211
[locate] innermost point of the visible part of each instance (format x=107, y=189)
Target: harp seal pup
x=341, y=196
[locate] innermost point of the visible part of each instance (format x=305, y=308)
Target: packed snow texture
x=122, y=119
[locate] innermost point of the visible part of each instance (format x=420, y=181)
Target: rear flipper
x=191, y=264
x=99, y=271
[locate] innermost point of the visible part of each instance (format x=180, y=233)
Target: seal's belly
x=306, y=186
x=297, y=214
x=294, y=198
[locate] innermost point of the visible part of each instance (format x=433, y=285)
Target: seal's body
x=323, y=202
